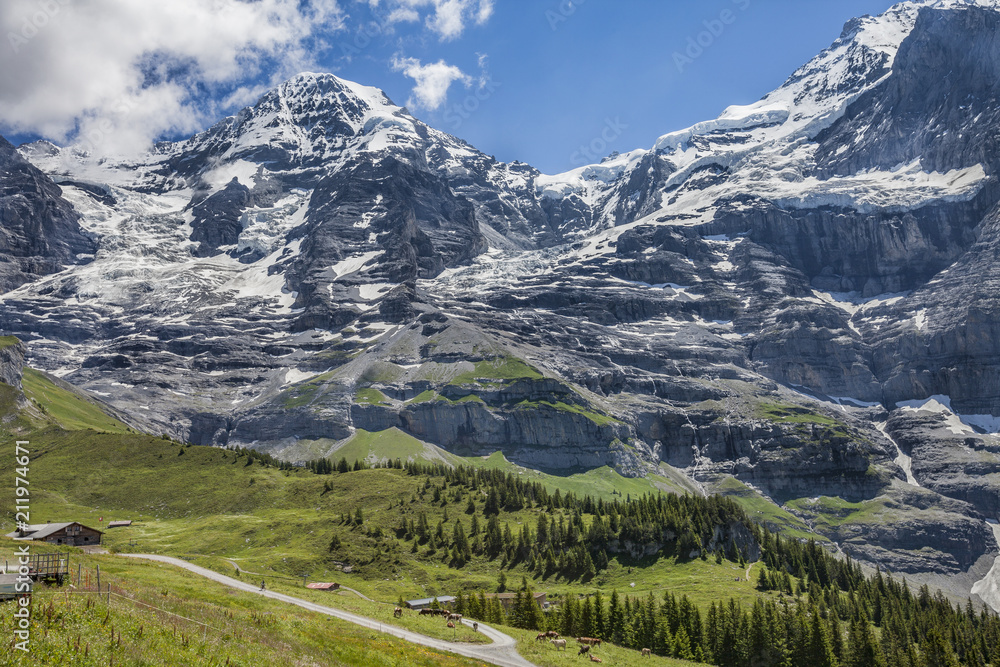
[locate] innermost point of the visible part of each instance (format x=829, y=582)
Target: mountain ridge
x=741, y=301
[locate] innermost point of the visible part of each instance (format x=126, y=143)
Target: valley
x=322, y=339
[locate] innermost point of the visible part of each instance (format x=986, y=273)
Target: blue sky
x=563, y=75
x=535, y=81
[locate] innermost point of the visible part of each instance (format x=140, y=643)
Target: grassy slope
x=243, y=629
x=209, y=505
x=390, y=445
x=545, y=655
x=777, y=518
x=68, y=409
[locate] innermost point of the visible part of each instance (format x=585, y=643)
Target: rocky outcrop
x=939, y=106
x=39, y=230
x=11, y=361
x=793, y=454
x=950, y=458
x=216, y=220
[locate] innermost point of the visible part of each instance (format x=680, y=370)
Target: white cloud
x=484, y=12
x=119, y=73
x=433, y=81
x=446, y=18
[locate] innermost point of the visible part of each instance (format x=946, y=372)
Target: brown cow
x=553, y=634
x=590, y=641
x=541, y=636
x=594, y=658
x=558, y=643
x=584, y=649
x=397, y=612
x=454, y=617
x=475, y=626
x=646, y=653
x=451, y=625
x=427, y=612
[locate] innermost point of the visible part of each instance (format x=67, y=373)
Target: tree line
x=815, y=608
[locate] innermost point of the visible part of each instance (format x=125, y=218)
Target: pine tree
x=615, y=623
x=682, y=646
x=935, y=651
x=863, y=649
x=600, y=617
x=586, y=623
x=819, y=650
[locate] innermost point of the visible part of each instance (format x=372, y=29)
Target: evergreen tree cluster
x=822, y=611
x=563, y=542
x=261, y=458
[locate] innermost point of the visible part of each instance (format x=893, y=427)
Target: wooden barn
x=73, y=534
x=324, y=586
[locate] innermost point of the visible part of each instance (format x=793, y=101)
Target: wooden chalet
x=73, y=534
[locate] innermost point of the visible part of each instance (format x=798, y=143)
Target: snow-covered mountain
x=800, y=294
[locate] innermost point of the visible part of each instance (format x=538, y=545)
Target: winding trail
x=502, y=652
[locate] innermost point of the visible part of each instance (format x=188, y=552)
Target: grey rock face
x=39, y=231
x=940, y=105
x=745, y=300
x=216, y=220
x=12, y=364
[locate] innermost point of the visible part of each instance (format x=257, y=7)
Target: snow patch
x=353, y=264
x=988, y=588
x=958, y=424
x=732, y=119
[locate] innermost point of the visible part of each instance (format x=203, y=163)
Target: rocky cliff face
x=761, y=297
x=11, y=362
x=39, y=231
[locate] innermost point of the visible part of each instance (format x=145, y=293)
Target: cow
x=590, y=641
x=541, y=636
x=475, y=626
x=594, y=658
x=397, y=612
x=558, y=643
x=454, y=617
x=584, y=649
x=552, y=634
x=646, y=653
x=451, y=625
x=427, y=612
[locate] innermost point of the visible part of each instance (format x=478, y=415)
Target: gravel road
x=502, y=652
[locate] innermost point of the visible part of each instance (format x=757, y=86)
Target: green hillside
x=621, y=559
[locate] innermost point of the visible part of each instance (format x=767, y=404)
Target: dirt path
x=502, y=652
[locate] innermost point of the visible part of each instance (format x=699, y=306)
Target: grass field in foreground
x=545, y=654
x=158, y=616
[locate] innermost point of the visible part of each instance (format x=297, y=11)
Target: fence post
x=98, y=579
x=79, y=573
